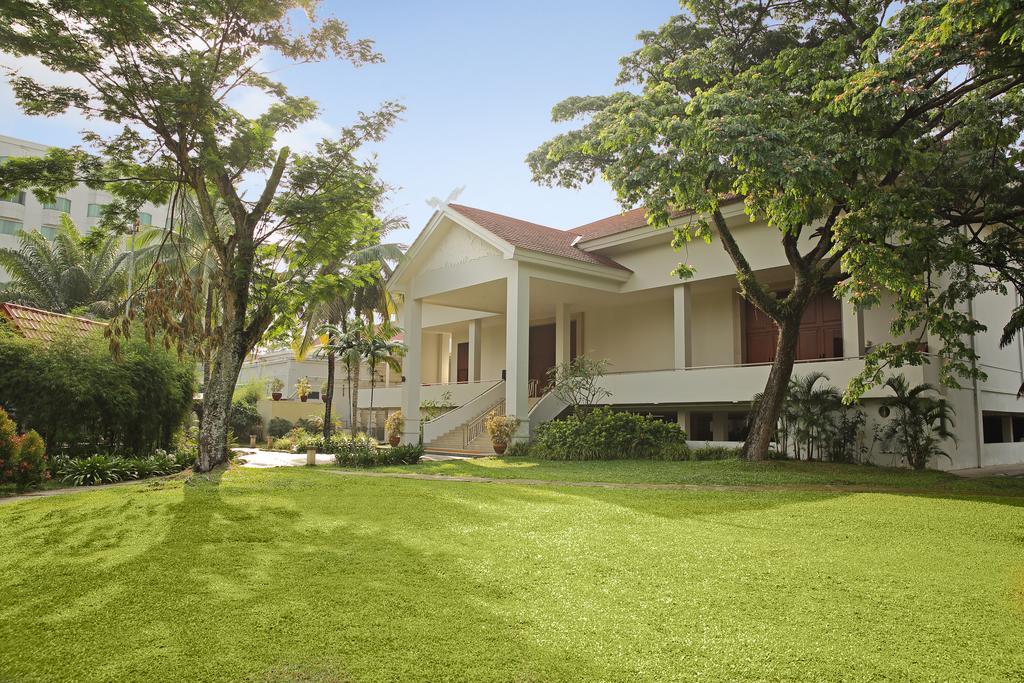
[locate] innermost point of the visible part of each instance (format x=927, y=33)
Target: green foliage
x=577, y=382
x=8, y=447
x=278, y=427
x=711, y=452
x=107, y=469
x=313, y=424
x=815, y=422
x=80, y=399
x=303, y=387
x=362, y=451
x=253, y=391
x=432, y=409
x=65, y=274
x=165, y=73
x=276, y=385
x=518, y=449
x=604, y=434
x=96, y=469
x=920, y=422
x=245, y=419
x=880, y=140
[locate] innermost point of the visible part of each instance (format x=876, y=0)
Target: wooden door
x=462, y=362
x=542, y=354
x=820, y=335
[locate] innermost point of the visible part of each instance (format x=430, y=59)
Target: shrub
x=79, y=398
x=8, y=447
x=245, y=419
x=604, y=434
x=357, y=451
x=362, y=451
x=307, y=441
x=96, y=469
x=518, y=449
x=710, y=452
x=278, y=427
x=395, y=424
x=252, y=391
x=407, y=454
x=284, y=444
x=313, y=424
x=30, y=461
x=500, y=428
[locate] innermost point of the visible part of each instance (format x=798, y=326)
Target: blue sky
x=478, y=80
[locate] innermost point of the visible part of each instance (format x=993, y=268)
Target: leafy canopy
x=876, y=131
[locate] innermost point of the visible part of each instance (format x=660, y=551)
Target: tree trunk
x=371, y=423
x=353, y=384
x=213, y=432
x=766, y=419
x=328, y=404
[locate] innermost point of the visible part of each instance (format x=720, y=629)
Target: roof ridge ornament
x=452, y=196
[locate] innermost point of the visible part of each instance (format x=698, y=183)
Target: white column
x=853, y=330
x=412, y=369
x=681, y=323
x=683, y=420
x=563, y=336
x=517, y=348
x=475, y=331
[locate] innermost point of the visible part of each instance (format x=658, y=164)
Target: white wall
x=634, y=337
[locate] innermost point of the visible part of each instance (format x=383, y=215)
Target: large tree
x=843, y=126
x=167, y=71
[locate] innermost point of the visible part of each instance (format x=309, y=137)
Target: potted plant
x=276, y=385
x=500, y=428
x=324, y=386
x=393, y=427
x=302, y=388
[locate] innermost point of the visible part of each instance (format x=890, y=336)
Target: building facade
x=83, y=204
x=492, y=302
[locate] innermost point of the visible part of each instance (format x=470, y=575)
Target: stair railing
x=471, y=430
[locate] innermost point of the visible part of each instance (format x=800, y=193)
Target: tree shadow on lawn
x=234, y=581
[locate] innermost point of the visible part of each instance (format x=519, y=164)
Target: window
x=18, y=198
x=95, y=210
x=62, y=204
x=48, y=231
x=145, y=218
x=8, y=227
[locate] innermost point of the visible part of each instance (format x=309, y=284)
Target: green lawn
x=300, y=574
x=727, y=472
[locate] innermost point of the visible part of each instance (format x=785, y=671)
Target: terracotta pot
x=303, y=398
x=276, y=395
x=499, y=448
x=394, y=440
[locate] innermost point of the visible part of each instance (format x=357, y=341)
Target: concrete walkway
x=991, y=471
x=256, y=457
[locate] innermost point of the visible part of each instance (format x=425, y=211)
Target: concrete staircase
x=454, y=440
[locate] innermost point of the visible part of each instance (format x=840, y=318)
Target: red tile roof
x=37, y=324
x=533, y=236
x=628, y=220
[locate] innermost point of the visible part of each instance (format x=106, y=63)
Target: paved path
x=991, y=471
x=256, y=457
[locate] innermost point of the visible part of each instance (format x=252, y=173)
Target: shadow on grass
x=277, y=577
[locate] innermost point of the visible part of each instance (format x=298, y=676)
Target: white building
x=491, y=302
x=24, y=212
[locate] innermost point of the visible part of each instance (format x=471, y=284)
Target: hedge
x=81, y=399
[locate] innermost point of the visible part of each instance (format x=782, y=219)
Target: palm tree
x=810, y=406
x=380, y=346
x=921, y=422
x=360, y=292
x=69, y=273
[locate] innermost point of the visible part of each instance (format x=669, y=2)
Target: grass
x=725, y=472
x=303, y=574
